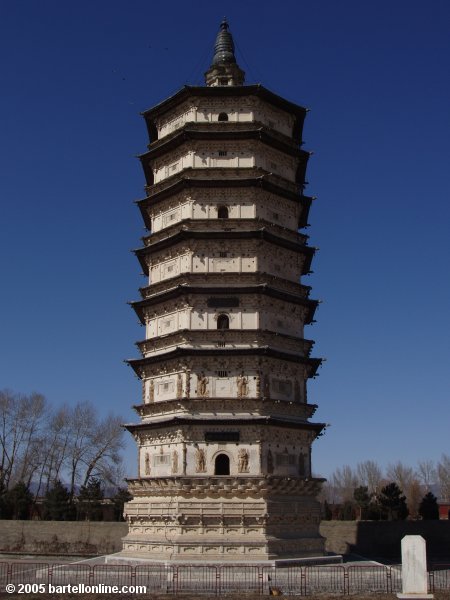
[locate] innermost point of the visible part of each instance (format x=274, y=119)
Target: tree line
x=396, y=493
x=41, y=446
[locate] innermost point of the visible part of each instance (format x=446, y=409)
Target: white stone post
x=414, y=568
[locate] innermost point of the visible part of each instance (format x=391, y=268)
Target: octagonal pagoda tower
x=224, y=437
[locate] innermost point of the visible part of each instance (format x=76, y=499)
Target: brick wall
x=383, y=538
x=59, y=537
x=367, y=538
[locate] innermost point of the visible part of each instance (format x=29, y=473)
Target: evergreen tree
x=4, y=507
x=374, y=510
x=89, y=507
x=393, y=503
x=347, y=511
x=429, y=509
x=16, y=503
x=122, y=496
x=57, y=505
x=362, y=499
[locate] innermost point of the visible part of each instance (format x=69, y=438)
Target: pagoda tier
x=187, y=191
x=217, y=281
x=224, y=438
x=217, y=295
x=250, y=103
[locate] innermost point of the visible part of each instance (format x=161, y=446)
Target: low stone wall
x=383, y=538
x=367, y=538
x=62, y=537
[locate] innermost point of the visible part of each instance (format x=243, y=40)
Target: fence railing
x=221, y=579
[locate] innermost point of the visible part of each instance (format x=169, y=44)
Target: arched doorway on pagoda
x=222, y=465
x=223, y=322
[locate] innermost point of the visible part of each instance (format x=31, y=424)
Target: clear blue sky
x=74, y=77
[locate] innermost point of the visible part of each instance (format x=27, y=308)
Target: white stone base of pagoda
x=223, y=519
x=123, y=558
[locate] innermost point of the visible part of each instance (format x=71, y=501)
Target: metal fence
x=221, y=579
x=439, y=577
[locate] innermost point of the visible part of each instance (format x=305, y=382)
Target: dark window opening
x=222, y=465
x=222, y=212
x=223, y=117
x=223, y=322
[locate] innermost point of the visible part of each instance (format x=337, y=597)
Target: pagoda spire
x=224, y=46
x=224, y=69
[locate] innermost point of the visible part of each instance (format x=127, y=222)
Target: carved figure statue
x=269, y=461
x=151, y=392
x=147, y=464
x=242, y=461
x=202, y=385
x=258, y=386
x=179, y=387
x=267, y=386
x=175, y=462
x=200, y=460
x=242, y=386
x=188, y=384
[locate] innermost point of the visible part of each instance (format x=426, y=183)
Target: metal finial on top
x=224, y=46
x=224, y=70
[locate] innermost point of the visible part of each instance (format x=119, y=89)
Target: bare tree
x=106, y=442
x=369, y=474
x=21, y=422
x=344, y=481
x=407, y=480
x=328, y=493
x=41, y=445
x=401, y=474
x=82, y=419
x=34, y=407
x=426, y=473
x=414, y=495
x=94, y=446
x=53, y=449
x=443, y=473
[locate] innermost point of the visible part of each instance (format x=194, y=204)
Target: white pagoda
x=224, y=436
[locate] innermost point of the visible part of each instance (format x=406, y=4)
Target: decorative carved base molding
x=223, y=486
x=220, y=550
x=223, y=518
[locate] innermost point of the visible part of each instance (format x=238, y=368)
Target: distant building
x=444, y=510
x=225, y=438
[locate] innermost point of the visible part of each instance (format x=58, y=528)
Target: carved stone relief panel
x=202, y=385
x=147, y=468
x=174, y=462
x=200, y=461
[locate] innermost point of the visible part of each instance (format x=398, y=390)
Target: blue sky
x=74, y=77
